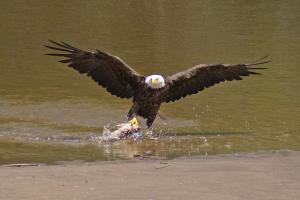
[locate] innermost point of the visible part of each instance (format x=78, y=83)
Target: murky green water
x=43, y=100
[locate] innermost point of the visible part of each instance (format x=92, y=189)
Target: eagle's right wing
x=108, y=71
x=203, y=76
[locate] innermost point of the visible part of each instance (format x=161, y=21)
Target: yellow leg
x=134, y=121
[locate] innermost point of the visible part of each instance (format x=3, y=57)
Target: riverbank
x=244, y=176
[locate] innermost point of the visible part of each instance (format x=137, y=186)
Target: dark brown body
x=146, y=103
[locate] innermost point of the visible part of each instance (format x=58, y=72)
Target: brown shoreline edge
x=264, y=175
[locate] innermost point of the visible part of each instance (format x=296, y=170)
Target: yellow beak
x=154, y=81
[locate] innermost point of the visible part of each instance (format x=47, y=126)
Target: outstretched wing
x=108, y=71
x=203, y=76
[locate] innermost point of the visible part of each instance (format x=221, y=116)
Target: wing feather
x=203, y=76
x=108, y=71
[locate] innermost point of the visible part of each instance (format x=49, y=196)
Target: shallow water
x=43, y=101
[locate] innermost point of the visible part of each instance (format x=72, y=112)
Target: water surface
x=43, y=100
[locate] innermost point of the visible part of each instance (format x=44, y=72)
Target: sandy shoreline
x=247, y=176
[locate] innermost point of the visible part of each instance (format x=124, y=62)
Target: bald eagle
x=147, y=92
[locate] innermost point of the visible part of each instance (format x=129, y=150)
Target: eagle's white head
x=155, y=81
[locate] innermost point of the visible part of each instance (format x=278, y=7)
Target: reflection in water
x=40, y=98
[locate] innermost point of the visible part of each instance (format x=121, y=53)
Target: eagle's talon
x=134, y=121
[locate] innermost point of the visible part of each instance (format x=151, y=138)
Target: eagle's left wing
x=203, y=76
